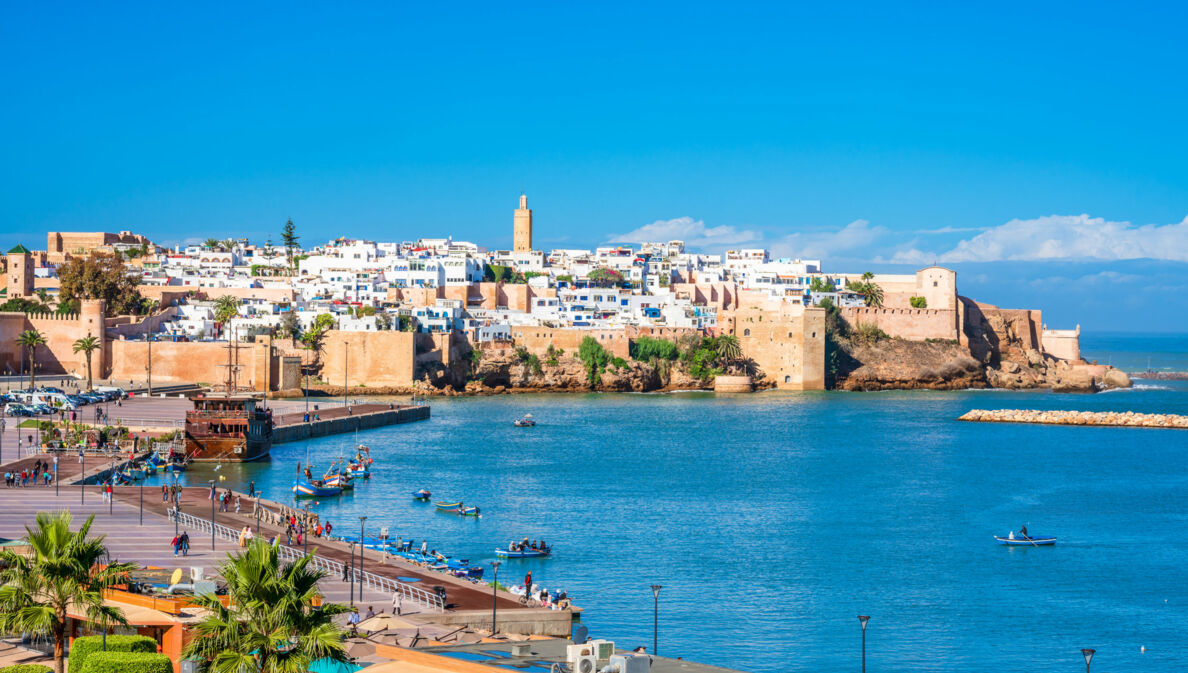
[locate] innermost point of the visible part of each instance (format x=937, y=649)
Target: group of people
x=246, y=536
x=525, y=544
x=181, y=543
x=171, y=493
x=29, y=477
x=225, y=499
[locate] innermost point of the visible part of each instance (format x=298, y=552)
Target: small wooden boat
x=1025, y=541
x=526, y=422
x=422, y=495
x=456, y=508
x=303, y=488
x=522, y=553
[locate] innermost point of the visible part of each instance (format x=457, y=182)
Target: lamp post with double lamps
x=212, y=521
x=655, y=616
x=494, y=593
x=863, y=619
x=359, y=574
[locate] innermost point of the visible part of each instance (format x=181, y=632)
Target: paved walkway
x=145, y=544
x=460, y=594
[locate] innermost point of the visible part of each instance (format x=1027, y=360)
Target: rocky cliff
x=504, y=370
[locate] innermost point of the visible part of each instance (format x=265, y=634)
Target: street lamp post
x=82, y=484
x=258, y=496
x=111, y=485
x=351, y=577
x=494, y=593
x=863, y=619
x=212, y=522
x=142, y=502
x=305, y=532
x=359, y=574
x=1088, y=654
x=655, y=616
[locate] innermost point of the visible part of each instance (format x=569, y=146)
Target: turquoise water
x=772, y=520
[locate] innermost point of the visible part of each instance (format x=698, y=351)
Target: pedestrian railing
x=429, y=599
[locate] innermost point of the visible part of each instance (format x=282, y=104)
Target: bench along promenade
x=1127, y=419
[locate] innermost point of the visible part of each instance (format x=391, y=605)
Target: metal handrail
x=429, y=599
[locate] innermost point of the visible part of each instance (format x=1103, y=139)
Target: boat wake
x=1138, y=386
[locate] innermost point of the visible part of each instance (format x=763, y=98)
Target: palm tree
x=873, y=294
x=226, y=308
x=271, y=624
x=64, y=572
x=30, y=340
x=867, y=276
x=727, y=348
x=87, y=345
x=212, y=243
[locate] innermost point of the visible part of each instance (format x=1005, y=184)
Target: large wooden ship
x=228, y=428
x=231, y=426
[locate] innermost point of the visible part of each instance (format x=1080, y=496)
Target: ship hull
x=225, y=449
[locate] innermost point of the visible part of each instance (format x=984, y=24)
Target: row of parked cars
x=48, y=400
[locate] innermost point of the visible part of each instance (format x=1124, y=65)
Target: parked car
x=16, y=409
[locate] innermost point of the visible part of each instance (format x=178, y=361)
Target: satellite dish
x=580, y=634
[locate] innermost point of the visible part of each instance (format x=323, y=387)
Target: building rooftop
x=542, y=654
x=19, y=250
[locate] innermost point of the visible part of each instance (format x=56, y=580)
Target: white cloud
x=856, y=237
x=693, y=232
x=1064, y=237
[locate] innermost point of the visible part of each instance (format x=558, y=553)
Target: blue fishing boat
x=1034, y=541
x=521, y=553
x=303, y=488
x=447, y=505
x=422, y=495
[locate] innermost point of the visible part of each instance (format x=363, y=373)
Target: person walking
x=176, y=544
x=397, y=603
x=185, y=543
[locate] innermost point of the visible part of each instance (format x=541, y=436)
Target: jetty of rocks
x=1128, y=419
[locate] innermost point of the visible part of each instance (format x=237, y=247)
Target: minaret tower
x=522, y=226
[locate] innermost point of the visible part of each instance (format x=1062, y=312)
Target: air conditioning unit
x=581, y=659
x=602, y=649
x=631, y=663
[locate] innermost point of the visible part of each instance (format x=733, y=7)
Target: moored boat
x=422, y=495
x=526, y=422
x=1034, y=541
x=457, y=508
x=303, y=488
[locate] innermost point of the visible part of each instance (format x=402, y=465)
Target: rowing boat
x=422, y=494
x=303, y=488
x=521, y=553
x=1025, y=541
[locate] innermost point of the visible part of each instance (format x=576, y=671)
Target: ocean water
x=773, y=520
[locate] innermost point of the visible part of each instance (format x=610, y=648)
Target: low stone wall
x=733, y=384
x=524, y=621
x=334, y=426
x=1101, y=418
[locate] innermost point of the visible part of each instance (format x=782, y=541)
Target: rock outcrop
x=893, y=364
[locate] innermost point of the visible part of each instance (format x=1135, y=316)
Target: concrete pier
x=293, y=427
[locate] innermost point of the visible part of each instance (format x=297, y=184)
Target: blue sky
x=1036, y=148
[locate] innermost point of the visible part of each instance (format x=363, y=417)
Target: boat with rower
x=523, y=553
x=456, y=508
x=360, y=465
x=1021, y=541
x=526, y=422
x=422, y=495
x=304, y=488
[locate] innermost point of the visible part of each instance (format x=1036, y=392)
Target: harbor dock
x=297, y=425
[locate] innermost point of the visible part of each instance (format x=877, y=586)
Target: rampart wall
x=916, y=324
x=384, y=358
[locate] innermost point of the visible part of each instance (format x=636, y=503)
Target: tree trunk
x=32, y=374
x=90, y=381
x=60, y=645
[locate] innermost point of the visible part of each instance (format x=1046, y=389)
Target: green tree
x=271, y=625
x=102, y=277
x=289, y=327
x=29, y=340
x=595, y=357
x=820, y=284
x=383, y=321
x=727, y=348
x=289, y=238
x=212, y=243
x=87, y=346
x=500, y=273
x=313, y=336
x=63, y=572
x=22, y=305
x=918, y=302
x=604, y=277
x=645, y=348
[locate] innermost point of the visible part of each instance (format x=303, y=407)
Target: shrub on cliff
x=595, y=357
x=918, y=302
x=868, y=333
x=645, y=348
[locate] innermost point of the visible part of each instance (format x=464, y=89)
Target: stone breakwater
x=1128, y=419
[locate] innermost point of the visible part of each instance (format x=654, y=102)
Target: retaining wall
x=334, y=426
